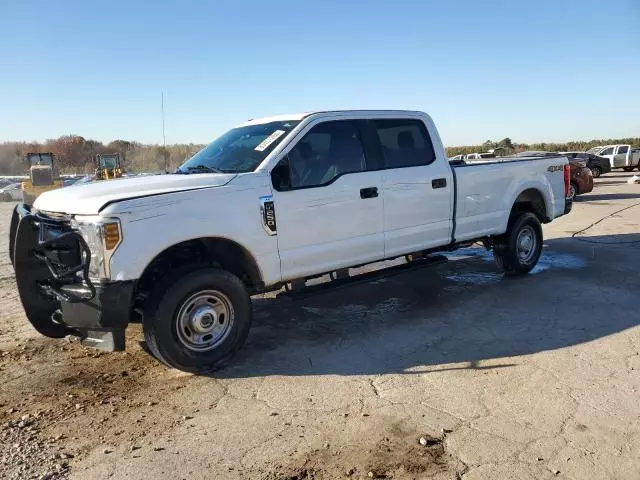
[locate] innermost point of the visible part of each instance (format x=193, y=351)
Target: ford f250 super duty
x=271, y=203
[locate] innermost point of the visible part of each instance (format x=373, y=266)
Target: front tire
x=627, y=169
x=519, y=249
x=596, y=171
x=197, y=320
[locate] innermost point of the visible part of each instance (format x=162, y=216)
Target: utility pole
x=164, y=139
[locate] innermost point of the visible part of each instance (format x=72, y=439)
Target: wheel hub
x=204, y=320
x=526, y=244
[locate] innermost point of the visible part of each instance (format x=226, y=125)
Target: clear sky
x=544, y=70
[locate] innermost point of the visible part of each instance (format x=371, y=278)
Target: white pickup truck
x=269, y=204
x=620, y=156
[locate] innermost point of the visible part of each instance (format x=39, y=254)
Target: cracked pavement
x=527, y=378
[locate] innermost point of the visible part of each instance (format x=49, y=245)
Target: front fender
x=222, y=212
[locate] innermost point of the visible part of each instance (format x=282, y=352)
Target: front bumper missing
x=51, y=262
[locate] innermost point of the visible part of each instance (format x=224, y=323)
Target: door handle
x=438, y=183
x=369, y=192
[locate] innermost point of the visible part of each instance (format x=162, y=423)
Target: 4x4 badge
x=268, y=213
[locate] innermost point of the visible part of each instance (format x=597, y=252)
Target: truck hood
x=90, y=198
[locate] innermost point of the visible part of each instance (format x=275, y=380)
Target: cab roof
x=300, y=116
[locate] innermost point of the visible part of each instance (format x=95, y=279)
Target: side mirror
x=281, y=176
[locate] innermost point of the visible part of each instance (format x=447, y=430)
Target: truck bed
x=486, y=190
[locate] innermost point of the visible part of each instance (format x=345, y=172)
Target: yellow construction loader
x=108, y=166
x=43, y=176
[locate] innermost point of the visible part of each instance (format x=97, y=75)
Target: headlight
x=103, y=236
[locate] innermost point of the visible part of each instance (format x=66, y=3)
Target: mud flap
x=30, y=273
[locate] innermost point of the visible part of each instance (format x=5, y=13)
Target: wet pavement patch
x=548, y=260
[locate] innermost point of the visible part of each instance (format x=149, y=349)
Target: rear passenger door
x=417, y=187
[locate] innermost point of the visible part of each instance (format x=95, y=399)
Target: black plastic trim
x=568, y=205
x=109, y=309
x=455, y=206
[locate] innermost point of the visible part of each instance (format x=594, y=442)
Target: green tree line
x=507, y=147
x=75, y=154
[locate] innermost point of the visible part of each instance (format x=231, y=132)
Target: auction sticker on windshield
x=269, y=140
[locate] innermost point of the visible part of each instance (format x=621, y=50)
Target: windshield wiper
x=203, y=169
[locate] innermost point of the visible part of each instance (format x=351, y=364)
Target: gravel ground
x=528, y=378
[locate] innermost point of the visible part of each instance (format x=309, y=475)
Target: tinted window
x=405, y=143
x=607, y=151
x=624, y=149
x=327, y=151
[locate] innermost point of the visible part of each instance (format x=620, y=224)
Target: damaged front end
x=51, y=260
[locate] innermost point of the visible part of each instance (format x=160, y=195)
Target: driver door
x=329, y=212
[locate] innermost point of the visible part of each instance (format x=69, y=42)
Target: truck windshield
x=594, y=150
x=239, y=150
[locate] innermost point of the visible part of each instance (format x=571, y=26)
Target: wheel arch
x=531, y=200
x=202, y=251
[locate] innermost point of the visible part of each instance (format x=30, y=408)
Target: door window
x=404, y=143
x=326, y=152
x=623, y=149
x=607, y=151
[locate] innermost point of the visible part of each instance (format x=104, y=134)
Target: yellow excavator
x=43, y=176
x=108, y=166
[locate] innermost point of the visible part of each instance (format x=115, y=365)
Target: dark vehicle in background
x=581, y=180
x=598, y=165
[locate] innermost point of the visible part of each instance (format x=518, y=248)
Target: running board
x=341, y=282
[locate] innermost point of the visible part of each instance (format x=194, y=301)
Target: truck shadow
x=454, y=315
x=610, y=183
x=625, y=176
x=606, y=196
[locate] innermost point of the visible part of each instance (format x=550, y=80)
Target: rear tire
x=596, y=171
x=519, y=249
x=197, y=320
x=573, y=191
x=627, y=169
